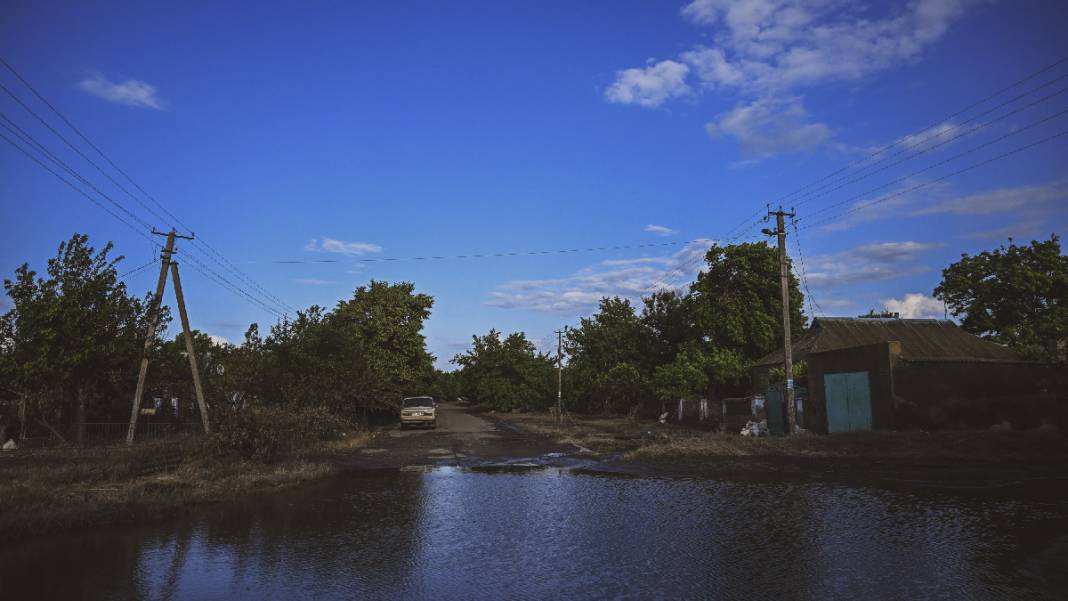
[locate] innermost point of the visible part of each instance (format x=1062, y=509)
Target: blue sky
x=351, y=131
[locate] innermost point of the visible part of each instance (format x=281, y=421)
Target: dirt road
x=463, y=437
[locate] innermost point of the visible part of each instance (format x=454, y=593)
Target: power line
x=229, y=266
x=487, y=255
x=76, y=150
x=76, y=188
x=221, y=280
x=933, y=125
x=26, y=138
x=813, y=304
x=943, y=162
x=934, y=181
x=137, y=269
x=823, y=190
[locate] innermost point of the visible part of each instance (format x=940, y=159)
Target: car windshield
x=419, y=401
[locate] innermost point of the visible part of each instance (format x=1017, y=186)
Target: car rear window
x=419, y=401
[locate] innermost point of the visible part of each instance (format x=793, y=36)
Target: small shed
x=889, y=373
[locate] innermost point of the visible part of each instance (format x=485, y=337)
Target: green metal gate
x=848, y=401
x=775, y=408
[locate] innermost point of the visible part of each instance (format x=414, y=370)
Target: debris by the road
x=663, y=417
x=10, y=445
x=755, y=428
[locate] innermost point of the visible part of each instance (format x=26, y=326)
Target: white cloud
x=581, y=291
x=131, y=92
x=219, y=340
x=767, y=45
x=649, y=86
x=660, y=230
x=770, y=126
x=712, y=68
x=897, y=202
x=835, y=303
x=765, y=50
x=1002, y=200
x=893, y=252
x=332, y=245
x=915, y=305
x=867, y=263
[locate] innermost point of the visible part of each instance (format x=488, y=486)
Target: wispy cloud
x=764, y=50
x=1002, y=200
x=660, y=230
x=770, y=45
x=649, y=86
x=130, y=93
x=895, y=202
x=580, y=292
x=893, y=252
x=915, y=305
x=770, y=126
x=333, y=245
x=867, y=263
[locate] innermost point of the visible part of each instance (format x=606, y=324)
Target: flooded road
x=550, y=533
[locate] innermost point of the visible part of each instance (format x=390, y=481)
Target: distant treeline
x=71, y=344
x=623, y=359
x=70, y=349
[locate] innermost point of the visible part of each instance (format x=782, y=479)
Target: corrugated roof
x=921, y=339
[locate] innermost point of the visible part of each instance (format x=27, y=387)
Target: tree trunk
x=79, y=417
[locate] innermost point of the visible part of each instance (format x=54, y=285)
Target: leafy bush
x=244, y=434
x=261, y=434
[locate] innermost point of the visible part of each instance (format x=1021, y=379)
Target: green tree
x=610, y=359
x=737, y=307
x=1015, y=295
x=73, y=338
x=506, y=373
x=384, y=323
x=683, y=378
x=358, y=360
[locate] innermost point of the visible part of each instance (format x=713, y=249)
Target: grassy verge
x=57, y=489
x=652, y=442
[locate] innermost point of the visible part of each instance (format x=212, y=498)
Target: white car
x=419, y=411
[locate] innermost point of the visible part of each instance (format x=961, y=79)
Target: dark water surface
x=555, y=534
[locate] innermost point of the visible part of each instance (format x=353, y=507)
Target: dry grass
x=1030, y=447
x=654, y=442
x=43, y=490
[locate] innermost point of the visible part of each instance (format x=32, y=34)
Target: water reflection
x=551, y=534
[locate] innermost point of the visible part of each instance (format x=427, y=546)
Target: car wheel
x=404, y=426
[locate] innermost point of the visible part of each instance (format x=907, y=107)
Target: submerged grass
x=58, y=489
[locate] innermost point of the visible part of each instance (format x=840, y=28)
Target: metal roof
x=921, y=339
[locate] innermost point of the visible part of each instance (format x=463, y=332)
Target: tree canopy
x=506, y=373
x=1015, y=295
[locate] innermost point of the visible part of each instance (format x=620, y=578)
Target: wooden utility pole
x=202, y=404
x=153, y=320
x=784, y=277
x=559, y=374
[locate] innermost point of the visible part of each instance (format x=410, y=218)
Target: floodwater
x=549, y=533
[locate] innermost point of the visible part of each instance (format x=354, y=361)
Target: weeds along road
x=463, y=437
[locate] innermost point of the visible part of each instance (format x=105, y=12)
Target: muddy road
x=464, y=437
